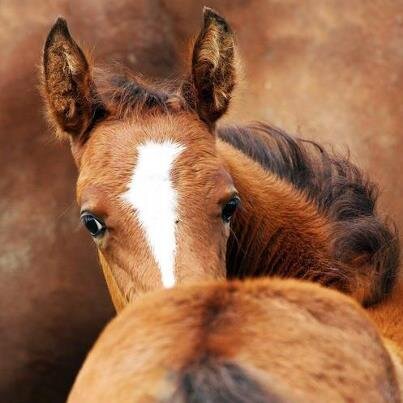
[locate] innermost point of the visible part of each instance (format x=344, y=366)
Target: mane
x=339, y=189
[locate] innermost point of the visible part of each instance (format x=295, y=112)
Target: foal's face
x=156, y=200
x=153, y=194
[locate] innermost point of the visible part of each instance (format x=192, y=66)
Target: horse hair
x=340, y=190
x=212, y=382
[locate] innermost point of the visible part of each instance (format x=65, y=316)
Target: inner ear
x=72, y=101
x=213, y=68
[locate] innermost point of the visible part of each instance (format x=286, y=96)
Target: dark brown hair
x=212, y=381
x=339, y=189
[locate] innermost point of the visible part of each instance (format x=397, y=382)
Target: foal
x=160, y=185
x=257, y=341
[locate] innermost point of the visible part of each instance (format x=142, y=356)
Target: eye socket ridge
x=229, y=208
x=95, y=226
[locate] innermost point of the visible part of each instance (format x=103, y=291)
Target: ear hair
x=69, y=90
x=213, y=68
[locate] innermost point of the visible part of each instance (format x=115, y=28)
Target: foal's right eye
x=94, y=225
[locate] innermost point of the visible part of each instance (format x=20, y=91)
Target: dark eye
x=93, y=224
x=229, y=208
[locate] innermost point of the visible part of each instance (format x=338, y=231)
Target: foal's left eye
x=229, y=208
x=94, y=225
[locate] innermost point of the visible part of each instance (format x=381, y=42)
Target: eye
x=94, y=225
x=229, y=208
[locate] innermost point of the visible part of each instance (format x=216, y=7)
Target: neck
x=278, y=231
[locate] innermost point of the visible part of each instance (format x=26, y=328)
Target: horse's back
x=267, y=340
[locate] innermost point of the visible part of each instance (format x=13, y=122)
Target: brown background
x=330, y=70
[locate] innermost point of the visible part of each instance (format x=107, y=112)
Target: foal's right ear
x=70, y=93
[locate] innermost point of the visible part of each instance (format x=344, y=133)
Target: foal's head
x=153, y=194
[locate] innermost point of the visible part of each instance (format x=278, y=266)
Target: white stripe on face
x=152, y=195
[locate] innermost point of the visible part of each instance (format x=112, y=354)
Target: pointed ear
x=70, y=93
x=213, y=67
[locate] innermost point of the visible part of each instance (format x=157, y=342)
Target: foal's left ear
x=213, y=68
x=68, y=87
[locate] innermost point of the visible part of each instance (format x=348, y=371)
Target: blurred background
x=331, y=71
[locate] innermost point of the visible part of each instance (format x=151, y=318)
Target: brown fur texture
x=69, y=88
x=388, y=318
x=361, y=238
x=213, y=68
x=293, y=229
x=257, y=341
x=201, y=244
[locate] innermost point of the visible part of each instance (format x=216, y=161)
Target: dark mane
x=339, y=189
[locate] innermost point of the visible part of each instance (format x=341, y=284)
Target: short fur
x=209, y=381
x=264, y=340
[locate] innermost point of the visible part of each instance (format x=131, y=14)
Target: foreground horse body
x=159, y=184
x=258, y=341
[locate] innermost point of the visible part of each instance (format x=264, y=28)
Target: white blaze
x=152, y=195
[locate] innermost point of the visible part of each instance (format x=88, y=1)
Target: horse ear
x=213, y=67
x=68, y=87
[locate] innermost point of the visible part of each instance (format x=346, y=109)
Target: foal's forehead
x=115, y=148
x=123, y=137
